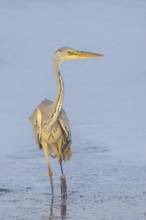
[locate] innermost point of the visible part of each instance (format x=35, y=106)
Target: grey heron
x=50, y=124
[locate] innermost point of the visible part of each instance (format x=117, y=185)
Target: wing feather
x=66, y=149
x=36, y=120
x=64, y=122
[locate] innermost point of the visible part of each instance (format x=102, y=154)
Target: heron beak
x=74, y=55
x=84, y=55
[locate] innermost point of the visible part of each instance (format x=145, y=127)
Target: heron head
x=67, y=53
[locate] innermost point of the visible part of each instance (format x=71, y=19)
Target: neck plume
x=57, y=104
x=60, y=86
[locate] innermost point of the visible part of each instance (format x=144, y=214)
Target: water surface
x=104, y=100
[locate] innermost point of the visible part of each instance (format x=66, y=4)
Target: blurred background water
x=104, y=100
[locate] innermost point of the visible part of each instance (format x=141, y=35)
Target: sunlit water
x=104, y=99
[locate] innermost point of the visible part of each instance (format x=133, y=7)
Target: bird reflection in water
x=63, y=208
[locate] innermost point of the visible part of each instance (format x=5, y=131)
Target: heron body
x=50, y=124
x=58, y=135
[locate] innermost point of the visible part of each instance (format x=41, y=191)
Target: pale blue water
x=104, y=100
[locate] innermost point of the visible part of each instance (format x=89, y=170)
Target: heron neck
x=60, y=90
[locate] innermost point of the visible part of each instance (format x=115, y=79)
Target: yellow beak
x=82, y=55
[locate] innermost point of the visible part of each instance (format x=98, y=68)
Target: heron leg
x=63, y=186
x=60, y=153
x=63, y=178
x=46, y=152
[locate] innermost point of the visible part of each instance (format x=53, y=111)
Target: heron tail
x=67, y=152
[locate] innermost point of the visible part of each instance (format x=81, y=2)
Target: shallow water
x=104, y=100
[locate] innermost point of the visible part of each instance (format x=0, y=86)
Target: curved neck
x=57, y=104
x=60, y=87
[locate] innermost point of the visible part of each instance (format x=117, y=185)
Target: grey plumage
x=50, y=124
x=45, y=108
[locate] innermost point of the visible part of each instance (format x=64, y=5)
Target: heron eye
x=69, y=53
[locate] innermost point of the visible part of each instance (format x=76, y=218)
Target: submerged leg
x=63, y=186
x=45, y=148
x=62, y=179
